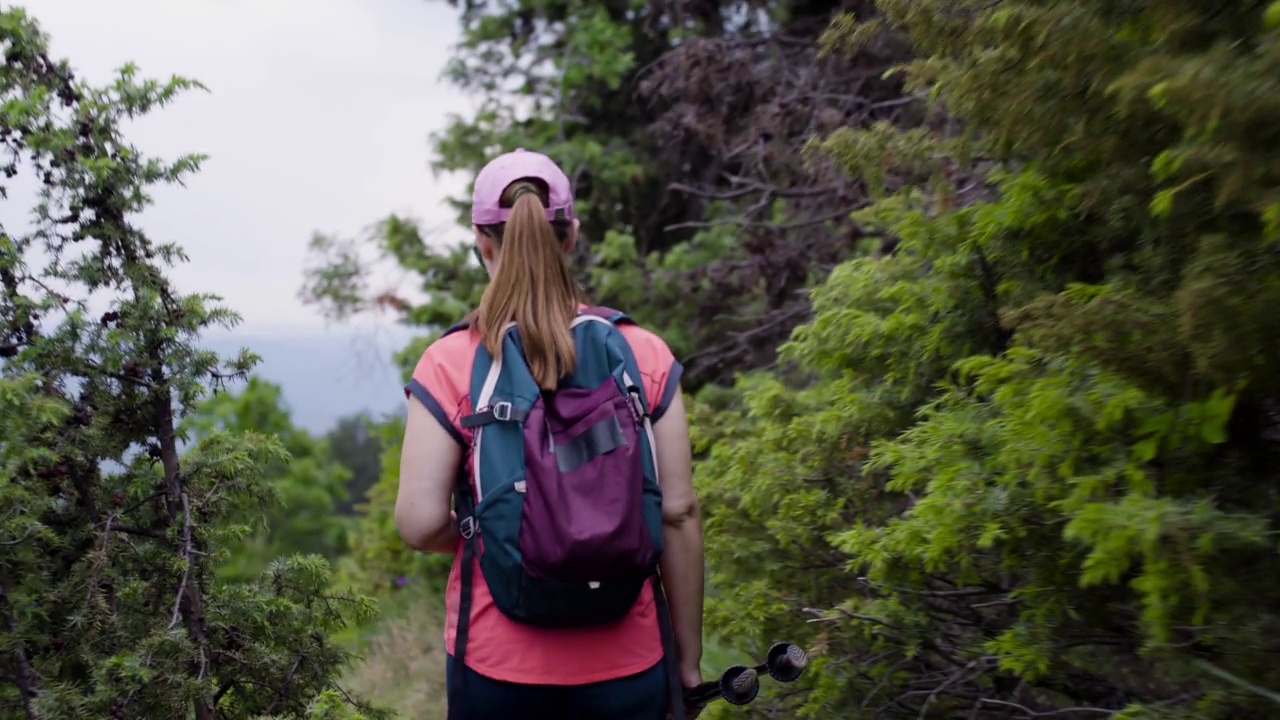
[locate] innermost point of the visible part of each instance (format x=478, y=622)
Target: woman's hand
x=690, y=677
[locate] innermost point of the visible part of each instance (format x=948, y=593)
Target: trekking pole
x=739, y=684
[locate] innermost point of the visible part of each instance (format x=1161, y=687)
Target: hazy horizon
x=326, y=377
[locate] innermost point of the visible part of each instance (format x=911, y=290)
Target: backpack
x=559, y=494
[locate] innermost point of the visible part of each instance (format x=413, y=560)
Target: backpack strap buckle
x=502, y=411
x=467, y=527
x=498, y=412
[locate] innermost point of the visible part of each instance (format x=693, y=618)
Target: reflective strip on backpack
x=482, y=402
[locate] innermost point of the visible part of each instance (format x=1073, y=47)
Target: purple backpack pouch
x=583, y=517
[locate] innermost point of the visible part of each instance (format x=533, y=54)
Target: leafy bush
x=1024, y=465
x=308, y=483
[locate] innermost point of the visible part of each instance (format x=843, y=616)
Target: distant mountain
x=326, y=375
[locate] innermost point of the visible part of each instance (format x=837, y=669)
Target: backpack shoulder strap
x=506, y=378
x=457, y=327
x=617, y=317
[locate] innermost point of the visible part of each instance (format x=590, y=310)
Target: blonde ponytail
x=532, y=286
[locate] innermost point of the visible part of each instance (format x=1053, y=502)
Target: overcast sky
x=316, y=118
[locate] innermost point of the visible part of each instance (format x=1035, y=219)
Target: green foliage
x=338, y=282
x=110, y=606
x=1017, y=464
x=1023, y=465
x=354, y=444
x=379, y=560
x=307, y=483
x=680, y=128
x=404, y=665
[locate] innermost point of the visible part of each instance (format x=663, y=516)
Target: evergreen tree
x=1024, y=466
x=109, y=606
x=354, y=444
x=680, y=124
x=308, y=481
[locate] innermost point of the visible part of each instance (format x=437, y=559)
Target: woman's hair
x=532, y=285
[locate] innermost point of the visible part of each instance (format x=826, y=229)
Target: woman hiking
x=559, y=432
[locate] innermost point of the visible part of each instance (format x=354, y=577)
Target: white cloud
x=317, y=119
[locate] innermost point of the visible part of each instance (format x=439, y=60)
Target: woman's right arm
x=682, y=560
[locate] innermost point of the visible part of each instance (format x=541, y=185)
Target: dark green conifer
x=110, y=531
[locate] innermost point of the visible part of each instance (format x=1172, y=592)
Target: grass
x=403, y=657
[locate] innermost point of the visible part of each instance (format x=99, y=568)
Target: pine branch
x=26, y=680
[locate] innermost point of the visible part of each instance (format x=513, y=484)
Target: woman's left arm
x=429, y=461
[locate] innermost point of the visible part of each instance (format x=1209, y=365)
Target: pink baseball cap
x=510, y=167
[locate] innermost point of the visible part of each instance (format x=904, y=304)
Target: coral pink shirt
x=501, y=648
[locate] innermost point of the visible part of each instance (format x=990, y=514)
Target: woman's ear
x=572, y=239
x=486, y=248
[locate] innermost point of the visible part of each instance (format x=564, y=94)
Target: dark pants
x=642, y=696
